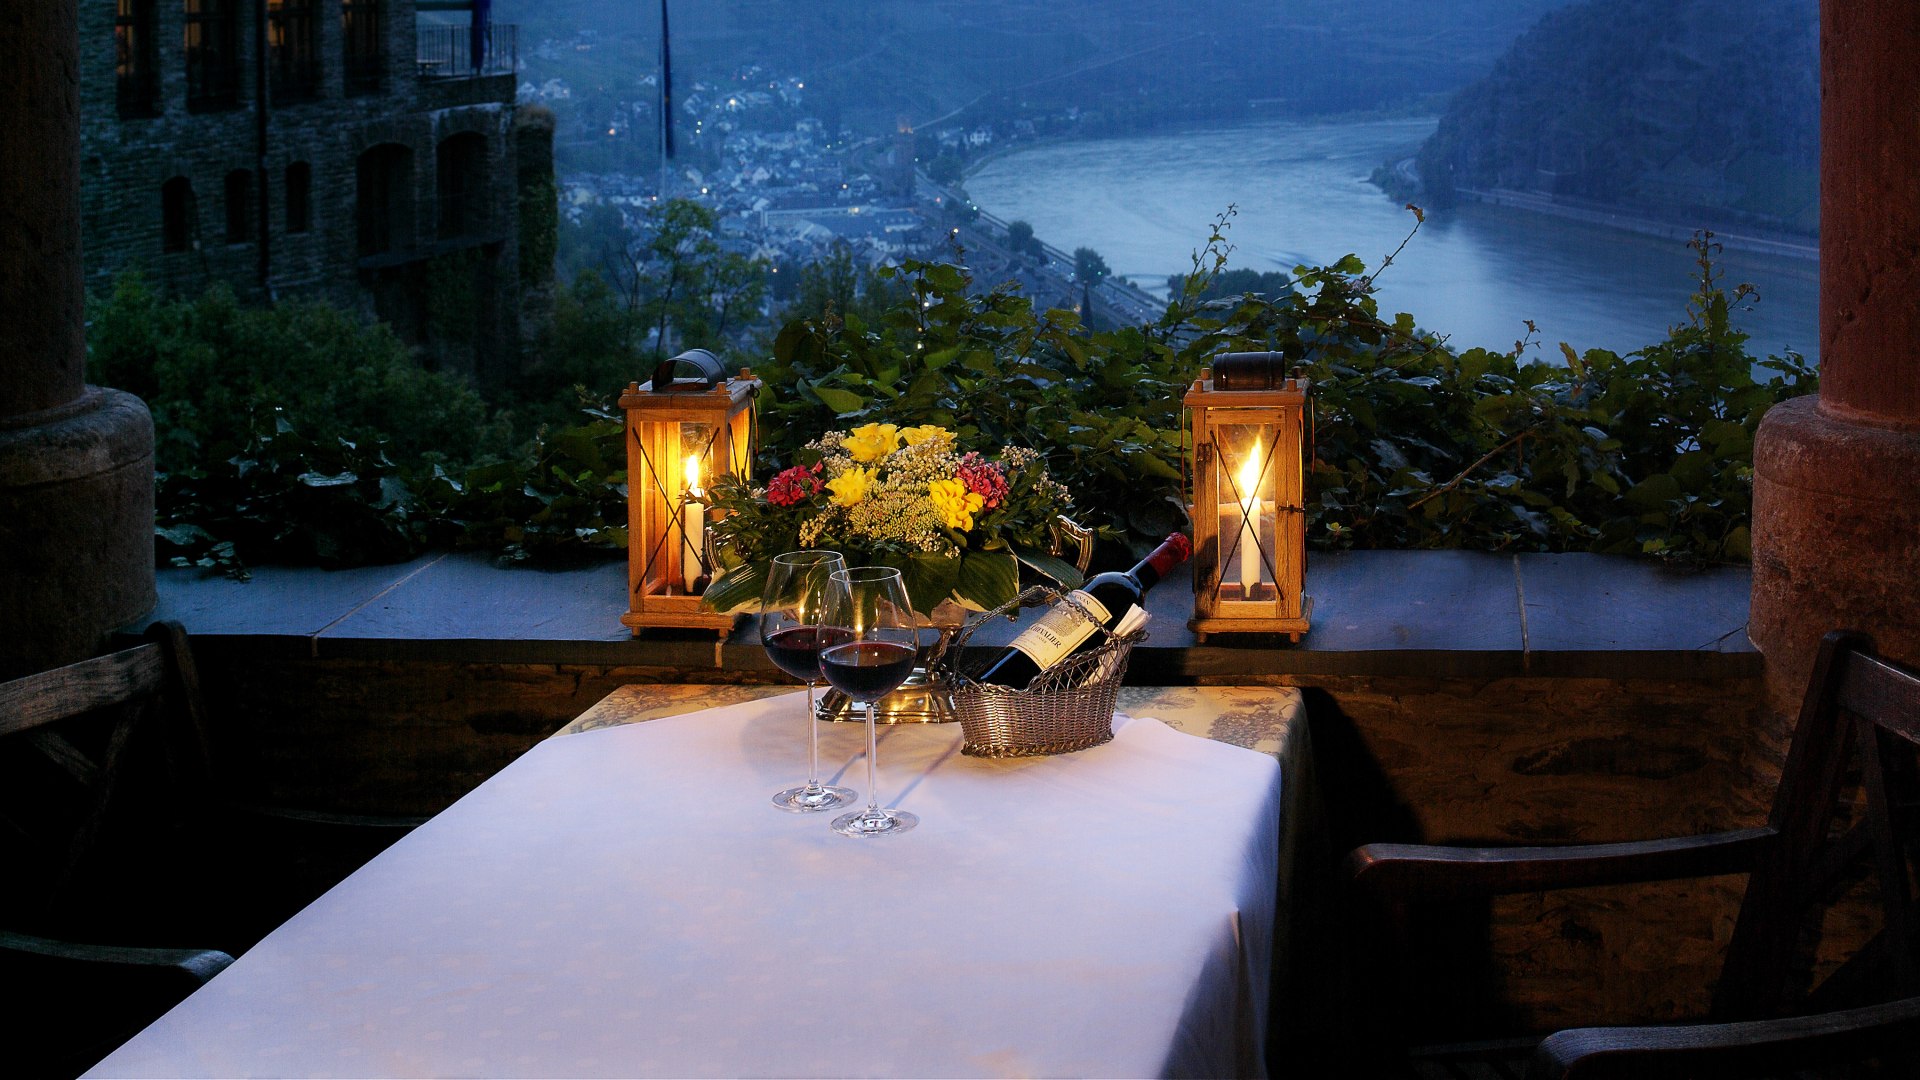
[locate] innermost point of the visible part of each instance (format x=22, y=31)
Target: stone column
x=76, y=461
x=1836, y=489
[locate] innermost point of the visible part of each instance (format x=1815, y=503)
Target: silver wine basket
x=1067, y=707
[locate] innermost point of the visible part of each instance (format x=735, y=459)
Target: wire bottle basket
x=1067, y=707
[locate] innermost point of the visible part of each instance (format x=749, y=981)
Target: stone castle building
x=352, y=150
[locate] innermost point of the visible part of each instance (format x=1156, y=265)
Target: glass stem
x=813, y=743
x=873, y=774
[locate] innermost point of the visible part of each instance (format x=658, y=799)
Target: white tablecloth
x=628, y=902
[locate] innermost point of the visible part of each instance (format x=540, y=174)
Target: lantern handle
x=706, y=372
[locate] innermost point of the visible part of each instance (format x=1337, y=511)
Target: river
x=1475, y=273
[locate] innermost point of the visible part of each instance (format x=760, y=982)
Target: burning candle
x=1250, y=513
x=693, y=526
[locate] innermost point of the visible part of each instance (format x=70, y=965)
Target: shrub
x=1414, y=445
x=210, y=369
x=338, y=450
x=301, y=434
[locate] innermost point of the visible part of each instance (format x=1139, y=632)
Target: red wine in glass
x=793, y=628
x=866, y=670
x=796, y=649
x=870, y=602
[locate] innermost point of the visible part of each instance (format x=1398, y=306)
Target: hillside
x=870, y=63
x=1707, y=110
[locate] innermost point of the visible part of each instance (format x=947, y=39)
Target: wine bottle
x=1062, y=631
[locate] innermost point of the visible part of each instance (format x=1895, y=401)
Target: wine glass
x=792, y=608
x=868, y=605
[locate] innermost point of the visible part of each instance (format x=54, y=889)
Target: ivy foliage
x=299, y=434
x=1648, y=452
x=1414, y=445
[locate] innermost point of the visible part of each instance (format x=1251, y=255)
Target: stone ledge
x=1430, y=613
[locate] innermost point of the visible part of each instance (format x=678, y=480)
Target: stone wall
x=1543, y=761
x=127, y=159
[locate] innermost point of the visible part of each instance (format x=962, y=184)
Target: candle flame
x=693, y=474
x=1250, y=477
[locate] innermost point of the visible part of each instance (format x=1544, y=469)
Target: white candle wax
x=1249, y=514
x=693, y=527
x=1249, y=547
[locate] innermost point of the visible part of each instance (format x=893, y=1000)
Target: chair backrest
x=67, y=738
x=1847, y=796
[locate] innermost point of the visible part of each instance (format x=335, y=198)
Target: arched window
x=299, y=197
x=383, y=199
x=460, y=181
x=239, y=206
x=176, y=214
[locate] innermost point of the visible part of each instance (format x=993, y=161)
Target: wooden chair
x=277, y=858
x=82, y=749
x=1766, y=1020
x=117, y=838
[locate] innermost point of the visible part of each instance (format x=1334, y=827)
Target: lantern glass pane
x=1245, y=463
x=695, y=465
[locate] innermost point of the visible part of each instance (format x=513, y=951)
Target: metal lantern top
x=695, y=398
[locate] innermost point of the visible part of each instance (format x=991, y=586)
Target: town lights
x=1245, y=495
x=682, y=435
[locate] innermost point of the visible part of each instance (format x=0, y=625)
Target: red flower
x=985, y=478
x=793, y=485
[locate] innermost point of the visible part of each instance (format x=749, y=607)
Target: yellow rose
x=850, y=487
x=925, y=433
x=869, y=443
x=955, y=503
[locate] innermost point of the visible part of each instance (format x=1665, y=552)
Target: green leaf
x=1652, y=494
x=318, y=480
x=930, y=579
x=842, y=402
x=1053, y=567
x=1693, y=470
x=1727, y=438
x=986, y=579
x=946, y=278
x=1148, y=464
x=737, y=589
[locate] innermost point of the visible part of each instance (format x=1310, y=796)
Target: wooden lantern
x=1246, y=498
x=679, y=439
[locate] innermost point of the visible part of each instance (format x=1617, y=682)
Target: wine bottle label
x=1053, y=635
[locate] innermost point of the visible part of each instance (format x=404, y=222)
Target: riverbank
x=1302, y=196
x=1777, y=245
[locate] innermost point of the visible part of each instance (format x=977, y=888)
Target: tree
x=838, y=284
x=593, y=242
x=945, y=169
x=672, y=261
x=1088, y=267
x=672, y=275
x=1019, y=237
x=734, y=287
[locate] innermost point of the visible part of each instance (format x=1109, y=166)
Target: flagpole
x=666, y=100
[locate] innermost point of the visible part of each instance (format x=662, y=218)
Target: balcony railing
x=461, y=52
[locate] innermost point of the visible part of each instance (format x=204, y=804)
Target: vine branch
x=1464, y=473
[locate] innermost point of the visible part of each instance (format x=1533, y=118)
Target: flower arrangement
x=957, y=523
